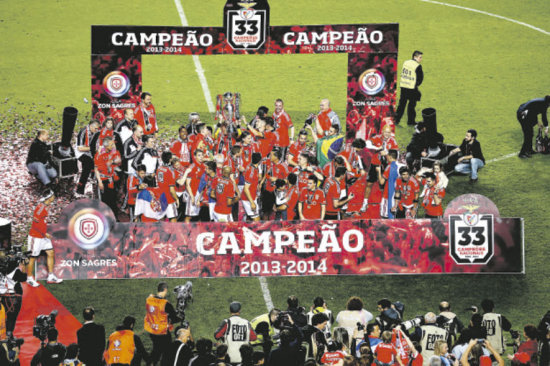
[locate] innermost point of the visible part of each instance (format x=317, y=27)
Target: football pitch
x=479, y=67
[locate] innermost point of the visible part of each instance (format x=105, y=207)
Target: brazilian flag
x=328, y=147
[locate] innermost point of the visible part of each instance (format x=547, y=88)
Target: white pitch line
x=489, y=14
x=266, y=293
x=198, y=66
x=503, y=157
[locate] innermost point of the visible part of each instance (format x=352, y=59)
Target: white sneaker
x=53, y=279
x=32, y=282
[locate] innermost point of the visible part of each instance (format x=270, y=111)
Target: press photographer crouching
x=12, y=273
x=51, y=354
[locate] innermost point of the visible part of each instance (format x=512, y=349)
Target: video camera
x=184, y=295
x=43, y=323
x=13, y=258
x=283, y=320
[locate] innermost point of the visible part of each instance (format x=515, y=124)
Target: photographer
x=52, y=354
x=12, y=273
x=297, y=313
x=181, y=350
x=427, y=334
x=235, y=331
x=354, y=317
x=158, y=321
x=495, y=324
x=475, y=349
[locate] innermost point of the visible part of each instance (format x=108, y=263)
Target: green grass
x=478, y=70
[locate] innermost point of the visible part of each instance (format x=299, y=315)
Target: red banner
x=277, y=248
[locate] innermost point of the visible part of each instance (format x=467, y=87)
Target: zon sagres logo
x=372, y=82
x=116, y=84
x=88, y=228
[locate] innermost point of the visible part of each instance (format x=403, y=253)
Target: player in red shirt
x=296, y=148
x=325, y=119
x=379, y=145
x=283, y=123
x=304, y=170
x=407, y=191
x=312, y=202
x=181, y=148
x=106, y=160
x=387, y=180
x=166, y=181
x=264, y=135
x=145, y=115
x=274, y=169
x=249, y=195
x=433, y=198
x=333, y=192
x=224, y=190
x=293, y=194
x=40, y=240
x=192, y=200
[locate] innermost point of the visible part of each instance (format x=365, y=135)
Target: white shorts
x=248, y=209
x=384, y=207
x=190, y=208
x=172, y=210
x=211, y=212
x=222, y=218
x=36, y=245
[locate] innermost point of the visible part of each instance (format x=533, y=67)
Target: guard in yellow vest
x=125, y=347
x=411, y=78
x=159, y=317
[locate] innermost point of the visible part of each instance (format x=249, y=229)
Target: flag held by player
x=150, y=206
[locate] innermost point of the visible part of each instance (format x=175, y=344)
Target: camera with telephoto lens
x=184, y=295
x=13, y=258
x=43, y=323
x=414, y=322
x=514, y=334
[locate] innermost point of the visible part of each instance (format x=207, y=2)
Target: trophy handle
x=237, y=107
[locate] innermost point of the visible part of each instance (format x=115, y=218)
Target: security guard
x=411, y=78
x=124, y=347
x=159, y=317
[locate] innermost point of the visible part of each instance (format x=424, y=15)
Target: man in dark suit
x=91, y=339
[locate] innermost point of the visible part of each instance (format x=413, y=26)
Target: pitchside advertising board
x=471, y=238
x=371, y=48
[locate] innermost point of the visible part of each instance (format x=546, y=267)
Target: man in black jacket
x=51, y=355
x=418, y=147
x=11, y=291
x=527, y=115
x=180, y=351
x=39, y=161
x=472, y=158
x=91, y=339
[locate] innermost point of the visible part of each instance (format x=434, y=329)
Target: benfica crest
x=471, y=238
x=88, y=228
x=246, y=23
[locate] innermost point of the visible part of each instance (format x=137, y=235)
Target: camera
x=514, y=334
x=283, y=320
x=360, y=327
x=473, y=309
x=309, y=120
x=11, y=342
x=184, y=295
x=415, y=322
x=43, y=323
x=13, y=258
x=185, y=324
x=481, y=341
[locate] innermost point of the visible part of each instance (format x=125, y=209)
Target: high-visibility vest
x=156, y=319
x=430, y=334
x=3, y=335
x=493, y=323
x=121, y=347
x=408, y=74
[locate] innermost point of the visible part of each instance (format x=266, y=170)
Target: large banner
x=90, y=244
x=371, y=48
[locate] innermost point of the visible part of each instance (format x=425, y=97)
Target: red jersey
x=429, y=203
x=382, y=145
x=252, y=177
x=147, y=119
x=39, y=226
x=132, y=185
x=358, y=190
x=266, y=143
x=303, y=176
x=197, y=170
x=293, y=195
x=312, y=203
x=105, y=132
x=105, y=162
x=165, y=180
x=275, y=170
x=223, y=188
x=247, y=152
x=385, y=353
x=296, y=149
x=332, y=192
x=325, y=122
x=332, y=358
x=283, y=122
x=407, y=190
x=181, y=150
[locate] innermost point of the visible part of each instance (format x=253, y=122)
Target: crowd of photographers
x=293, y=336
